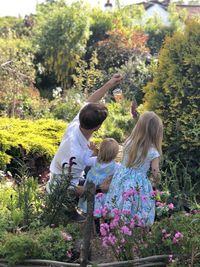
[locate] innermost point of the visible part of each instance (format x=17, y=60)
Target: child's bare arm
x=106, y=183
x=93, y=147
x=155, y=171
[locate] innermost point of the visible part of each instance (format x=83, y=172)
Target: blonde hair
x=147, y=132
x=108, y=150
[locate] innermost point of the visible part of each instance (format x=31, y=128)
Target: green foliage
x=18, y=248
x=136, y=73
x=101, y=22
x=11, y=217
x=161, y=239
x=46, y=243
x=35, y=142
x=28, y=200
x=88, y=77
x=60, y=200
x=16, y=73
x=174, y=95
x=177, y=178
x=61, y=38
x=16, y=26
x=52, y=245
x=20, y=203
x=118, y=124
x=157, y=32
x=66, y=108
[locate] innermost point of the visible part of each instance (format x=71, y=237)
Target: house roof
x=193, y=10
x=148, y=4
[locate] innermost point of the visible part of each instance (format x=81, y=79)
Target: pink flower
x=174, y=240
x=125, y=230
x=132, y=224
x=66, y=236
x=104, y=229
x=112, y=239
x=122, y=241
x=69, y=253
x=114, y=223
x=99, y=195
x=105, y=242
x=166, y=235
x=104, y=211
x=170, y=206
x=171, y=260
x=116, y=212
x=178, y=235
x=163, y=231
x=159, y=204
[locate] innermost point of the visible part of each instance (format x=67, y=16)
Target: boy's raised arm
x=100, y=93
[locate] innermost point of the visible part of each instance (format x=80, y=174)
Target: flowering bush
x=178, y=236
x=124, y=232
x=128, y=235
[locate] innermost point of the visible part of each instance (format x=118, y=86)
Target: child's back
x=130, y=188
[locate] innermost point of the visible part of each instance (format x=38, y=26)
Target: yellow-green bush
x=174, y=94
x=29, y=140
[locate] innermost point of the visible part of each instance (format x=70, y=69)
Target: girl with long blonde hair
x=142, y=151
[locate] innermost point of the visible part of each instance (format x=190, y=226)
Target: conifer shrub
x=174, y=94
x=33, y=142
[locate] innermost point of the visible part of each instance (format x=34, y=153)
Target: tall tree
x=61, y=35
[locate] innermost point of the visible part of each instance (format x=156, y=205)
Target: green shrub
x=174, y=95
x=34, y=142
x=118, y=124
x=52, y=244
x=162, y=239
x=45, y=243
x=20, y=247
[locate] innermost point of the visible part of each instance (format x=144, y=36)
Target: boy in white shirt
x=76, y=138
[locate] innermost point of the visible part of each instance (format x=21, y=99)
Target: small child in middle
x=102, y=166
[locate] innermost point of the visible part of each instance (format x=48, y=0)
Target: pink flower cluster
x=171, y=260
x=66, y=236
x=103, y=211
x=175, y=239
x=99, y=195
x=69, y=254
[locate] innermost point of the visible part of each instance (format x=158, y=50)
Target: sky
x=25, y=7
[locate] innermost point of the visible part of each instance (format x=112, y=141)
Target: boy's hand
x=116, y=79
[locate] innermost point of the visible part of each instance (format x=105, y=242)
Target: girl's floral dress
x=130, y=190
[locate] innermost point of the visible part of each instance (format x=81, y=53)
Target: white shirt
x=73, y=144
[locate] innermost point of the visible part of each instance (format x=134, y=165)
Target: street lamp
x=108, y=6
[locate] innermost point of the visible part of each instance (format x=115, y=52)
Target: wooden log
x=87, y=231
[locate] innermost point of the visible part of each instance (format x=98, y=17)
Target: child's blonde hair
x=108, y=150
x=147, y=132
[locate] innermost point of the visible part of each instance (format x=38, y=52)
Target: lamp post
x=108, y=6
